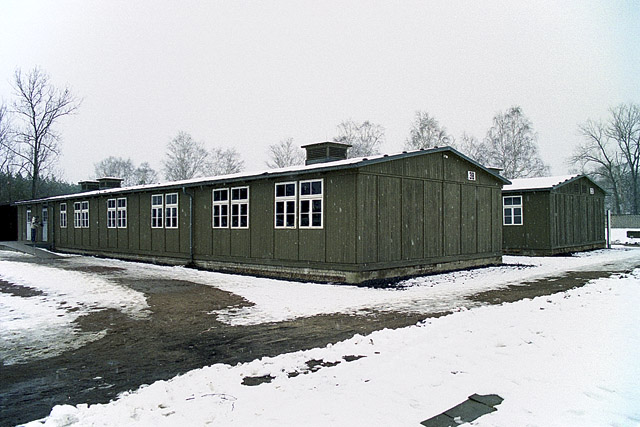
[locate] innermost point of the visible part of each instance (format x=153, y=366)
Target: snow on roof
x=545, y=182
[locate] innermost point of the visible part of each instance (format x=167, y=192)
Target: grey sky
x=247, y=74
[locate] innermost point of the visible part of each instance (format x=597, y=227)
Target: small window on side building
x=512, y=210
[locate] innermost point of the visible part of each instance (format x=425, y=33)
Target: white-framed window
x=63, y=215
x=311, y=201
x=77, y=215
x=157, y=208
x=471, y=175
x=122, y=212
x=240, y=207
x=592, y=191
x=220, y=208
x=512, y=210
x=85, y=214
x=171, y=210
x=285, y=205
x=111, y=213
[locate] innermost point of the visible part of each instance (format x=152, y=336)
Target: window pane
x=317, y=219
x=316, y=187
x=280, y=190
x=304, y=220
x=305, y=188
x=304, y=206
x=291, y=190
x=317, y=206
x=291, y=220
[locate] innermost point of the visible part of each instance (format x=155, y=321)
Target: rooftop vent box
x=329, y=151
x=89, y=185
x=109, y=182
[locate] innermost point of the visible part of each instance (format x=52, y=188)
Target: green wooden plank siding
x=412, y=219
x=433, y=219
x=341, y=217
x=367, y=223
x=389, y=216
x=262, y=219
x=451, y=198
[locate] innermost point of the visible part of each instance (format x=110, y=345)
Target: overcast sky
x=247, y=74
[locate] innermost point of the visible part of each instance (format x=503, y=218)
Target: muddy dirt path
x=180, y=335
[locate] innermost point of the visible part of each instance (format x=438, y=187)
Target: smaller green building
x=552, y=215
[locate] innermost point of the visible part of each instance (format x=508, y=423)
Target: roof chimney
x=109, y=182
x=89, y=185
x=328, y=151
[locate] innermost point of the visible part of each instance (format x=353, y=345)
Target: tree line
x=30, y=147
x=510, y=143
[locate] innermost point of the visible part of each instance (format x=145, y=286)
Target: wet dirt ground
x=180, y=335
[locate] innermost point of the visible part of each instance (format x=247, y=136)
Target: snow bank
x=568, y=359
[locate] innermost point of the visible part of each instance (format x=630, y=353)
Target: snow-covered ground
x=619, y=236
x=566, y=359
x=42, y=325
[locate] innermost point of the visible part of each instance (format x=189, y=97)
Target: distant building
x=334, y=219
x=552, y=215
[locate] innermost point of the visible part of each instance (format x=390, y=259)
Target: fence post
x=608, y=228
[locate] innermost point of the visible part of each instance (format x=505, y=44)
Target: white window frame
x=236, y=209
x=220, y=208
x=77, y=215
x=63, y=215
x=287, y=201
x=509, y=210
x=306, y=215
x=111, y=213
x=85, y=213
x=157, y=211
x=171, y=211
x=121, y=215
x=471, y=175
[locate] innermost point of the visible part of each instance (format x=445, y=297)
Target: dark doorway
x=8, y=222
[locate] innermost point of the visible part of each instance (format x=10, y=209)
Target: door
x=28, y=224
x=45, y=222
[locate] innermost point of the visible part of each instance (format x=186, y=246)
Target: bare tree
x=610, y=153
x=125, y=169
x=426, y=132
x=145, y=174
x=7, y=144
x=39, y=105
x=115, y=167
x=365, y=138
x=284, y=154
x=225, y=162
x=511, y=145
x=185, y=158
x=472, y=148
x=598, y=157
x=624, y=128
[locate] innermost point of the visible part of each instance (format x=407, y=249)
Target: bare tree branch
x=284, y=154
x=40, y=105
x=365, y=138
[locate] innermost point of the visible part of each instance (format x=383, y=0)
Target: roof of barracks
x=352, y=163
